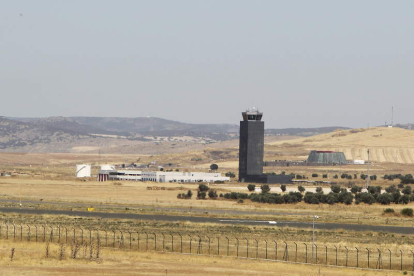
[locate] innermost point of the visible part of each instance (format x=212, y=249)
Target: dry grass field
x=30, y=259
x=393, y=145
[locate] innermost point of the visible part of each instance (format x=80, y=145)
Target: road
x=325, y=226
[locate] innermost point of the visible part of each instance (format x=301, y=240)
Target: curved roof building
x=326, y=157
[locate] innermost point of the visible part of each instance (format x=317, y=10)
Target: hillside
x=386, y=145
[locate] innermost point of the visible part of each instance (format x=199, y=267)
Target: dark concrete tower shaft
x=251, y=145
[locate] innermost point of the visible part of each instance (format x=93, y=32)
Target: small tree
x=201, y=195
x=301, y=189
x=314, y=175
x=189, y=194
x=251, y=187
x=230, y=174
x=283, y=187
x=214, y=167
x=336, y=189
x=212, y=194
x=265, y=188
x=325, y=176
x=407, y=190
x=407, y=212
x=203, y=188
x=319, y=190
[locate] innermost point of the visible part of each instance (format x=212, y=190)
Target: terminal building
x=159, y=176
x=251, y=149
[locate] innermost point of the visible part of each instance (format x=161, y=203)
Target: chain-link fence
x=240, y=247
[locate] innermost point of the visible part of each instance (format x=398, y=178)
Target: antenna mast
x=368, y=176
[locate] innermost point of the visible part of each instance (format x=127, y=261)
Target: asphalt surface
x=157, y=208
x=325, y=226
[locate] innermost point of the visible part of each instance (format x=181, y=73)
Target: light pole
x=313, y=235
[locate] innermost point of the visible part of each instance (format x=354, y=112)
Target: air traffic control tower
x=251, y=150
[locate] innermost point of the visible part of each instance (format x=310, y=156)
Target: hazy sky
x=303, y=63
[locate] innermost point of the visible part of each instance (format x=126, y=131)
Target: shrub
x=389, y=211
x=385, y=199
x=189, y=194
x=374, y=189
x=335, y=176
x=201, y=195
x=214, y=167
x=311, y=198
x=407, y=190
x=365, y=198
x=203, y=188
x=230, y=174
x=349, y=176
x=265, y=188
x=324, y=176
x=407, y=212
x=240, y=201
x=319, y=190
x=373, y=177
x=391, y=189
x=301, y=189
x=219, y=182
x=314, y=175
x=251, y=187
x=283, y=187
x=401, y=185
x=404, y=199
x=212, y=194
x=396, y=196
x=336, y=189
x=356, y=189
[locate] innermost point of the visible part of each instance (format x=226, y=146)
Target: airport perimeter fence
x=230, y=246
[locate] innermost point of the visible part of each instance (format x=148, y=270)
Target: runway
x=227, y=221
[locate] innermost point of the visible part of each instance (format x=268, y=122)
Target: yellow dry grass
x=29, y=259
x=394, y=145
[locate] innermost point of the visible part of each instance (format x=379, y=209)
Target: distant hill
x=303, y=131
x=395, y=145
x=62, y=134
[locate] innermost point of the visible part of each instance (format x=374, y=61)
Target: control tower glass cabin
x=251, y=145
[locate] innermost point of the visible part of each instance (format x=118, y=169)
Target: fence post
x=257, y=248
x=163, y=241
x=36, y=232
x=306, y=252
x=7, y=231
x=237, y=247
x=58, y=227
x=286, y=254
x=90, y=236
x=346, y=256
x=106, y=238
x=181, y=239
x=266, y=249
x=296, y=252
x=137, y=241
x=379, y=261
x=390, y=258
x=191, y=240
x=247, y=248
x=44, y=233
x=155, y=241
x=336, y=255
x=51, y=234
x=14, y=231
x=275, y=249
x=81, y=234
x=228, y=245
x=357, y=264
x=21, y=232
x=209, y=245
x=368, y=256
x=200, y=245
x=66, y=237
x=401, y=258
x=326, y=254
x=28, y=232
x=130, y=239
x=114, y=239
x=172, y=244
x=218, y=246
